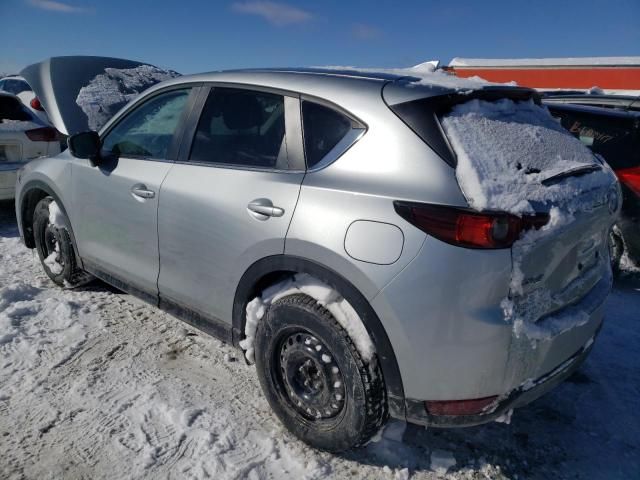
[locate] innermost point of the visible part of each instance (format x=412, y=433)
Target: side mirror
x=85, y=145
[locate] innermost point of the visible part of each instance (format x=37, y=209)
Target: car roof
x=345, y=86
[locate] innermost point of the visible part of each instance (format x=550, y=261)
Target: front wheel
x=54, y=246
x=315, y=379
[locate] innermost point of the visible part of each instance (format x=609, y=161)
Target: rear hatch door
x=81, y=93
x=511, y=156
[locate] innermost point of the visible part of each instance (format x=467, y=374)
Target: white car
x=23, y=136
x=21, y=89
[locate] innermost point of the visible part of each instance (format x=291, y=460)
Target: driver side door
x=116, y=203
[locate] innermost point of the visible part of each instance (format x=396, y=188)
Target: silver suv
x=315, y=219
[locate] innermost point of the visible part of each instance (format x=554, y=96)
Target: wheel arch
x=31, y=193
x=271, y=269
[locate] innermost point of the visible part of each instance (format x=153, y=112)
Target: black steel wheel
x=315, y=379
x=55, y=248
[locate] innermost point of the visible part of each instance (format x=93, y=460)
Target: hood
x=81, y=93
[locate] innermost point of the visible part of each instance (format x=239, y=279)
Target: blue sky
x=197, y=35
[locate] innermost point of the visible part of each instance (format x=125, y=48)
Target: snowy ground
x=94, y=384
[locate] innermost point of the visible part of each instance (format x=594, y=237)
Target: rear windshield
x=11, y=108
x=507, y=151
x=611, y=136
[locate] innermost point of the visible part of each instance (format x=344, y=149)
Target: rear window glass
x=11, y=109
x=507, y=150
x=14, y=86
x=608, y=135
x=323, y=129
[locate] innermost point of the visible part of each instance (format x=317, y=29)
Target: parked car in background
x=23, y=137
x=14, y=84
x=610, y=126
x=378, y=244
x=19, y=87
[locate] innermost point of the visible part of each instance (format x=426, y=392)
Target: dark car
x=610, y=126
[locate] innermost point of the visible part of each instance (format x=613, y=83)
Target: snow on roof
x=544, y=62
x=426, y=73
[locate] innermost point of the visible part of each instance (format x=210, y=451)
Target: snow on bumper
x=453, y=340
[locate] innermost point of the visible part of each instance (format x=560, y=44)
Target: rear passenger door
x=229, y=199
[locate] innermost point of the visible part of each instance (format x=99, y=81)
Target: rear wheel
x=315, y=379
x=55, y=248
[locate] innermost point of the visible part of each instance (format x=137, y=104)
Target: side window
x=323, y=129
x=148, y=130
x=241, y=127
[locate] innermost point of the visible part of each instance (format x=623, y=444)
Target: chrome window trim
x=340, y=148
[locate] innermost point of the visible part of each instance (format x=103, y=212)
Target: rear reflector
x=467, y=228
x=43, y=134
x=631, y=178
x=474, y=406
x=35, y=104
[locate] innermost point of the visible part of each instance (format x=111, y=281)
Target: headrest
x=241, y=111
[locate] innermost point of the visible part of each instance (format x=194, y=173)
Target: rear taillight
x=631, y=178
x=35, y=104
x=43, y=134
x=467, y=228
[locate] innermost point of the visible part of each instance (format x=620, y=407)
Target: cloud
x=55, y=6
x=365, y=32
x=277, y=14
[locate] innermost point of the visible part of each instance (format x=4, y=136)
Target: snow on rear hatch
x=512, y=156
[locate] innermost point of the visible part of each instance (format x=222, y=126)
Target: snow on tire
x=54, y=245
x=314, y=377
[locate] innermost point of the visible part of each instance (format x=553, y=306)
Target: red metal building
x=619, y=75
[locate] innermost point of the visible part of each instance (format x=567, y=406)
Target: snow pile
x=507, y=149
x=55, y=214
x=329, y=298
x=80, y=395
x=441, y=461
x=109, y=92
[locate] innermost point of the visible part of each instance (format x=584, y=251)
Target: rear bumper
x=446, y=325
x=524, y=394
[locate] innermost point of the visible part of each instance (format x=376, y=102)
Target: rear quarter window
x=324, y=127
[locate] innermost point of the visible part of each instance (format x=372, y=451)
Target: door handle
x=140, y=190
x=262, y=208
